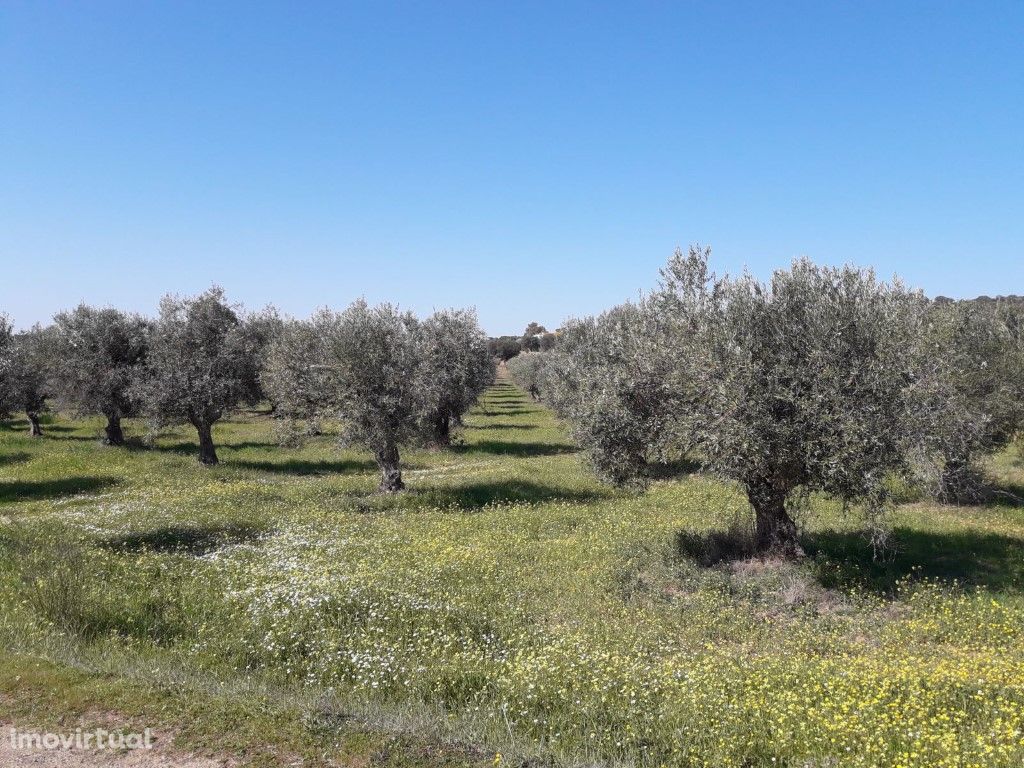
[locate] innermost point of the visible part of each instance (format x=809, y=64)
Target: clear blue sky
x=537, y=160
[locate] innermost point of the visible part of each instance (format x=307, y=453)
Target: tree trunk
x=34, y=430
x=775, y=533
x=113, y=430
x=207, y=453
x=960, y=482
x=442, y=431
x=390, y=470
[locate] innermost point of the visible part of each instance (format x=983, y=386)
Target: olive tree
x=796, y=386
x=25, y=372
x=199, y=365
x=98, y=355
x=970, y=399
x=505, y=347
x=457, y=369
x=611, y=379
x=263, y=329
x=296, y=376
x=379, y=389
x=6, y=352
x=527, y=370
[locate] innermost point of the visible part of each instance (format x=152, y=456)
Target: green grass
x=277, y=607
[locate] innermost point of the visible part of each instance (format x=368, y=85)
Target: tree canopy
x=787, y=388
x=97, y=360
x=199, y=365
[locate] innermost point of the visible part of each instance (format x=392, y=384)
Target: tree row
x=388, y=377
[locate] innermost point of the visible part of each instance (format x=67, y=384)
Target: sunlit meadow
x=509, y=602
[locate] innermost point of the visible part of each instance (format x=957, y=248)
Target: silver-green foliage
x=97, y=358
x=6, y=353
x=199, y=365
x=296, y=376
x=378, y=383
x=25, y=372
x=799, y=385
x=263, y=328
x=971, y=395
x=528, y=371
x=458, y=368
x=390, y=379
x=611, y=378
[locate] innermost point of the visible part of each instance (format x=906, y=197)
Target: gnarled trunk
x=775, y=533
x=390, y=470
x=207, y=452
x=34, y=430
x=114, y=435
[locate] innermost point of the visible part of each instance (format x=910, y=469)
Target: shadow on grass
x=508, y=448
x=503, y=426
x=17, y=457
x=55, y=433
x=307, y=466
x=184, y=539
x=13, y=491
x=50, y=430
x=188, y=448
x=969, y=558
x=672, y=470
x=501, y=414
x=1006, y=495
x=845, y=560
x=477, y=495
x=714, y=547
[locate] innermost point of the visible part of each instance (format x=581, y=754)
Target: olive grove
x=388, y=378
x=820, y=380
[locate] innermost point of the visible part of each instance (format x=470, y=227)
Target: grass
x=507, y=608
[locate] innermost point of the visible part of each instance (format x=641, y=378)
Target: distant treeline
x=1011, y=299
x=536, y=338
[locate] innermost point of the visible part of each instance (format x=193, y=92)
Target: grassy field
x=506, y=609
